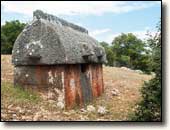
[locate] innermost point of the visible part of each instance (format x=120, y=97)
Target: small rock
x=10, y=106
x=83, y=110
x=138, y=71
x=115, y=92
x=18, y=108
x=101, y=110
x=60, y=105
x=21, y=111
x=91, y=108
x=125, y=68
x=153, y=74
x=67, y=113
x=14, y=115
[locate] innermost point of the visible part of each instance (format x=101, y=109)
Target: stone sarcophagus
x=59, y=59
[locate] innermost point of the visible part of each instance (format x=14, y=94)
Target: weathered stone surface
x=39, y=14
x=48, y=40
x=59, y=60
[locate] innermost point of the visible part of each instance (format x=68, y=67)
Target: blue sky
x=104, y=19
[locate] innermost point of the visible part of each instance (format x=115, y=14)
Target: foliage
x=130, y=52
x=127, y=50
x=9, y=33
x=109, y=53
x=149, y=109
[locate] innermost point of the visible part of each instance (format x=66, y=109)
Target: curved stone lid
x=48, y=40
x=41, y=15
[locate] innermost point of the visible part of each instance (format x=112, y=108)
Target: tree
x=9, y=33
x=130, y=52
x=149, y=109
x=110, y=55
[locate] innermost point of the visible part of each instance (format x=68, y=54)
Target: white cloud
x=74, y=8
x=99, y=32
x=108, y=35
x=140, y=34
x=81, y=8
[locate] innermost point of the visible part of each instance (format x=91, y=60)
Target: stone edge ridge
x=41, y=15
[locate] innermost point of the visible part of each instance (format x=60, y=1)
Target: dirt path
x=125, y=84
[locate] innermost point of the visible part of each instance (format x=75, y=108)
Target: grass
x=16, y=94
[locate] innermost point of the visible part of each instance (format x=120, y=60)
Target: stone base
x=73, y=85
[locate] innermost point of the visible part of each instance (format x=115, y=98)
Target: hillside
x=122, y=91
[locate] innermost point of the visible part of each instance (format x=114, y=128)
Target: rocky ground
x=122, y=92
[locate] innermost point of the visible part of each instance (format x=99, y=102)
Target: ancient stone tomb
x=58, y=59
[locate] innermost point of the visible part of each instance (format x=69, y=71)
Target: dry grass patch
x=18, y=104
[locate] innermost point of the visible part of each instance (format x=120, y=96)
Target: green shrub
x=9, y=33
x=149, y=109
